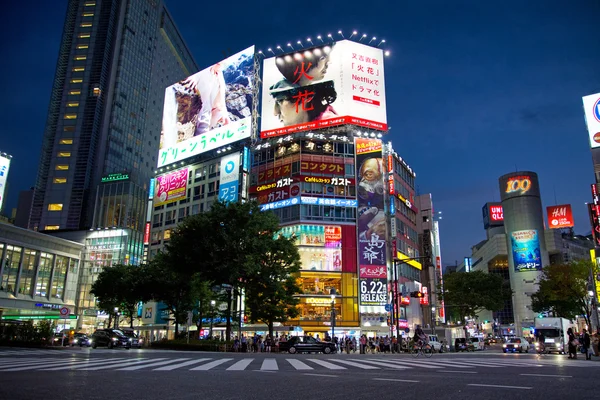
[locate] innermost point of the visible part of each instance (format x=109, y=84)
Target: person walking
x=572, y=344
x=363, y=343
x=586, y=344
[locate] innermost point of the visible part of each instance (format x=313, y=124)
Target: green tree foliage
x=271, y=286
x=563, y=290
x=467, y=293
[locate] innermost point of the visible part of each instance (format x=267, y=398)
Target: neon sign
x=518, y=184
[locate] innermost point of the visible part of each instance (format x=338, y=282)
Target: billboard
x=229, y=177
x=560, y=216
x=4, y=166
x=372, y=222
x=332, y=84
x=591, y=108
x=208, y=110
x=526, y=250
x=493, y=215
x=519, y=184
x=594, y=213
x=170, y=187
x=319, y=246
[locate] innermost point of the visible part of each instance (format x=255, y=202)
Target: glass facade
x=10, y=270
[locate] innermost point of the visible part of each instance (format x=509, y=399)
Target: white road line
x=299, y=365
x=384, y=364
x=84, y=363
x=269, y=364
x=323, y=375
x=395, y=380
x=447, y=364
x=13, y=363
x=241, y=365
x=484, y=364
x=210, y=365
x=416, y=364
x=119, y=364
x=33, y=365
x=548, y=376
x=183, y=364
x=326, y=364
x=156, y=364
x=512, y=363
x=355, y=364
x=458, y=372
x=500, y=386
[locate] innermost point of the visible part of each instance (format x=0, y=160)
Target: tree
x=270, y=289
x=467, y=293
x=563, y=290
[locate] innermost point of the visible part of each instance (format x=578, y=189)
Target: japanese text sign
x=171, y=187
x=526, y=250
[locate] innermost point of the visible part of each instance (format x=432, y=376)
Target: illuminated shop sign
x=171, y=187
x=246, y=162
x=293, y=141
x=151, y=189
x=229, y=177
x=560, y=216
x=147, y=233
x=115, y=177
x=518, y=184
x=406, y=259
x=315, y=201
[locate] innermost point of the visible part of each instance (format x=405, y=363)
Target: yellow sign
x=408, y=260
x=318, y=301
x=593, y=257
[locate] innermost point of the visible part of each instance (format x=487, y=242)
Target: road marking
x=395, y=380
x=326, y=364
x=548, y=376
x=156, y=364
x=183, y=364
x=416, y=364
x=241, y=365
x=384, y=364
x=32, y=365
x=269, y=364
x=459, y=372
x=14, y=363
x=500, y=386
x=85, y=362
x=322, y=375
x=299, y=365
x=120, y=364
x=355, y=364
x=212, y=364
x=447, y=364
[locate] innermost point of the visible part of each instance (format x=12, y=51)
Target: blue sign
x=597, y=110
x=388, y=307
x=312, y=201
x=246, y=160
x=526, y=250
x=151, y=190
x=280, y=204
x=228, y=191
x=392, y=207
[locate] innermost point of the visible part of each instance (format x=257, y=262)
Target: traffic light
x=417, y=295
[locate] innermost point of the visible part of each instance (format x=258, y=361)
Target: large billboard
x=560, y=216
x=4, y=166
x=372, y=222
x=521, y=184
x=591, y=108
x=526, y=250
x=332, y=84
x=170, y=187
x=229, y=177
x=209, y=109
x=319, y=246
x=493, y=215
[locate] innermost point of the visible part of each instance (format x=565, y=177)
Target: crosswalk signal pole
x=333, y=293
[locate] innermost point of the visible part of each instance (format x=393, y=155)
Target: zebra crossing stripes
x=118, y=364
x=326, y=364
x=79, y=363
x=241, y=365
x=211, y=365
x=357, y=365
x=181, y=365
x=154, y=364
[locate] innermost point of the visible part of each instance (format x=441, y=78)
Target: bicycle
x=424, y=348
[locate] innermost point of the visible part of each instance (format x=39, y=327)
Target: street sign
x=64, y=311
x=388, y=307
x=406, y=330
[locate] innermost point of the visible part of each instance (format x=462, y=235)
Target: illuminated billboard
x=372, y=225
x=208, y=110
x=560, y=216
x=519, y=184
x=526, y=250
x=229, y=177
x=332, y=84
x=4, y=166
x=170, y=187
x=493, y=215
x=319, y=246
x=591, y=108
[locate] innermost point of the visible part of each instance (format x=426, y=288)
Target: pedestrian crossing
x=274, y=364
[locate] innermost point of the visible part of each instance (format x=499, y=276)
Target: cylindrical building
x=524, y=226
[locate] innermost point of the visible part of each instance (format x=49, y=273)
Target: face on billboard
x=526, y=250
x=332, y=84
x=170, y=187
x=4, y=166
x=591, y=107
x=209, y=109
x=560, y=216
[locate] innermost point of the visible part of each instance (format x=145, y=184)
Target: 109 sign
x=518, y=184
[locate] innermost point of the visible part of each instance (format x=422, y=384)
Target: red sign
x=391, y=183
x=560, y=216
x=438, y=263
x=425, y=299
x=496, y=213
x=147, y=233
x=595, y=220
x=373, y=271
x=322, y=124
x=390, y=164
x=333, y=235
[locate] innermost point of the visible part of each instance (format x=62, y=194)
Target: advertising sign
x=560, y=216
x=526, y=250
x=147, y=233
x=595, y=221
x=519, y=184
x=208, y=110
x=326, y=85
x=493, y=215
x=273, y=173
x=372, y=222
x=591, y=108
x=151, y=189
x=171, y=187
x=315, y=235
x=4, y=166
x=229, y=177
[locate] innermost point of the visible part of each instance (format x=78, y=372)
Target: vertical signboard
x=4, y=165
x=591, y=108
x=171, y=187
x=151, y=189
x=372, y=224
x=595, y=221
x=526, y=250
x=147, y=233
x=229, y=177
x=560, y=216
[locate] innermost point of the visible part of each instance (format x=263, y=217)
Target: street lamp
x=333, y=293
x=433, y=318
x=116, y=317
x=212, y=316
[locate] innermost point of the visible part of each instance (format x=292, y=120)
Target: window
x=52, y=227
x=62, y=167
x=55, y=207
x=88, y=14
x=74, y=92
x=44, y=271
x=97, y=92
x=86, y=25
x=66, y=141
x=76, y=80
x=64, y=154
x=90, y=4
x=80, y=58
x=83, y=35
x=82, y=46
x=72, y=104
x=69, y=129
x=27, y=272
x=60, y=275
x=70, y=116
x=78, y=69
x=59, y=180
x=11, y=269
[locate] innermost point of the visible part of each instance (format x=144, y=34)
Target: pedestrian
x=363, y=343
x=244, y=344
x=586, y=343
x=573, y=342
x=268, y=344
x=236, y=344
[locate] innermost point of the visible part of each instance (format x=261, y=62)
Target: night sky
x=475, y=89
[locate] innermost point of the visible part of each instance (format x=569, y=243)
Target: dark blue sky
x=475, y=89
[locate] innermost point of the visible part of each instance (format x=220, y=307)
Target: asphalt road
x=153, y=374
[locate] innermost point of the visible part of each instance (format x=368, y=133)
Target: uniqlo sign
x=560, y=216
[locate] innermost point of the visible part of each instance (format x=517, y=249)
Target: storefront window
x=27, y=272
x=60, y=274
x=320, y=284
x=11, y=269
x=44, y=272
x=318, y=309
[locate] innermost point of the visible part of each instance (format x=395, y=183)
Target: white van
x=436, y=344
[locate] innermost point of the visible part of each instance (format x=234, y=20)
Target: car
x=478, y=343
x=81, y=339
x=515, y=344
x=306, y=344
x=110, y=338
x=436, y=344
x=60, y=339
x=135, y=340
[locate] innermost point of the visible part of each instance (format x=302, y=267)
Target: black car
x=306, y=344
x=135, y=340
x=110, y=338
x=81, y=339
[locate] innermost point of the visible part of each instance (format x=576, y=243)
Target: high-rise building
x=103, y=130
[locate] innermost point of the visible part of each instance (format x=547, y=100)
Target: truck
x=554, y=331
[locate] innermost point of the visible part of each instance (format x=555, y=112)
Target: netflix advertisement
x=560, y=216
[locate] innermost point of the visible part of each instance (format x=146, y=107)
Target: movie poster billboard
x=171, y=187
x=229, y=177
x=526, y=250
x=560, y=216
x=591, y=108
x=327, y=85
x=208, y=110
x=372, y=225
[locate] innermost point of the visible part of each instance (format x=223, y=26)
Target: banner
x=560, y=216
x=229, y=177
x=591, y=108
x=526, y=250
x=171, y=187
x=4, y=166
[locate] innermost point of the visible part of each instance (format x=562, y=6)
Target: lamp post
x=116, y=318
x=433, y=318
x=212, y=316
x=333, y=293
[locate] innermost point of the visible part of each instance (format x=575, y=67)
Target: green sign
x=115, y=177
x=23, y=317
